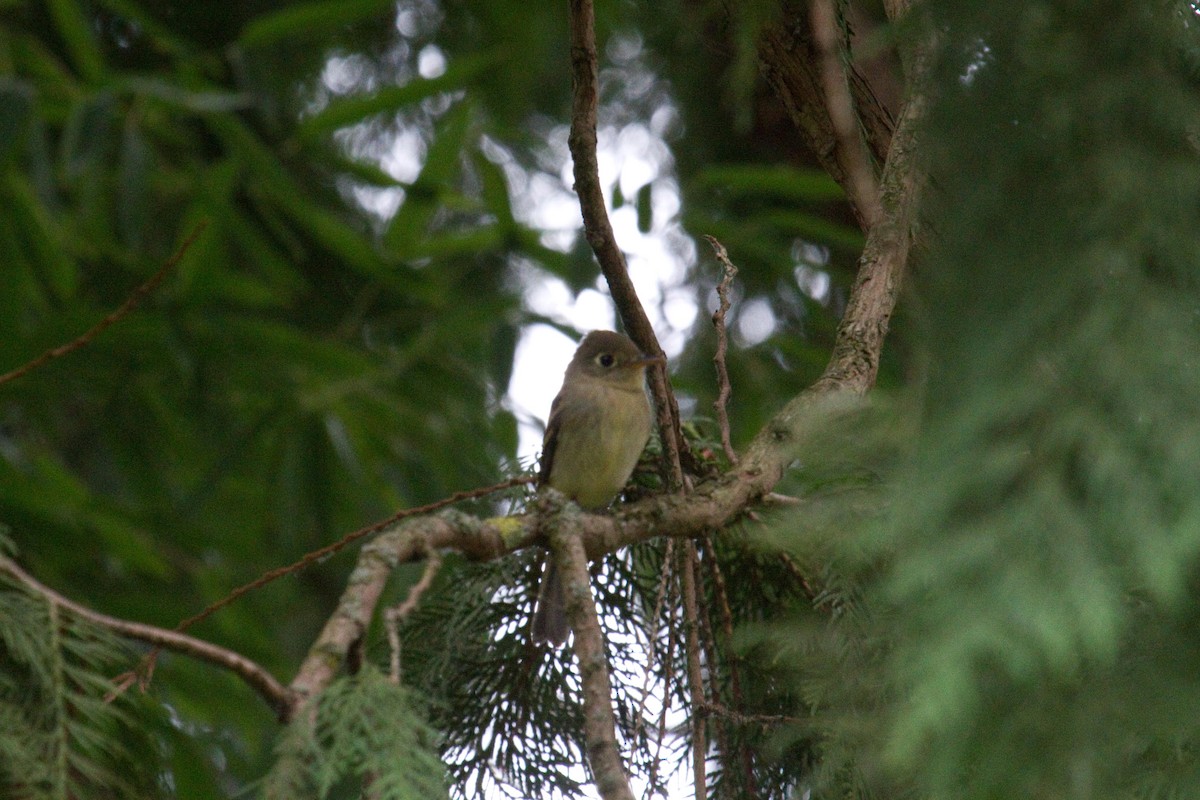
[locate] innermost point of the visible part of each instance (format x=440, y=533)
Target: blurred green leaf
x=208, y=101
x=39, y=239
x=86, y=140
x=345, y=111
x=16, y=106
x=410, y=224
x=133, y=190
x=645, y=216
x=75, y=28
x=774, y=182
x=815, y=229
x=309, y=20
x=495, y=192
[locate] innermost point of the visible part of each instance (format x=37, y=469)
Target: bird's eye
x=605, y=359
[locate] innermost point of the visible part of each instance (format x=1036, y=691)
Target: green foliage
x=991, y=580
x=61, y=736
x=1014, y=625
x=365, y=732
x=298, y=374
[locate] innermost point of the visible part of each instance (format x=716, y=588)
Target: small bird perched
x=598, y=427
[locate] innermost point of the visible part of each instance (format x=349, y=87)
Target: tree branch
x=599, y=722
x=790, y=61
x=714, y=503
x=728, y=273
x=113, y=317
x=692, y=646
x=859, y=342
x=599, y=233
x=849, y=149
x=256, y=676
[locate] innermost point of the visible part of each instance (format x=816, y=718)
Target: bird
x=599, y=424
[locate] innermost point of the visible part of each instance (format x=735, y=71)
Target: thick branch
x=859, y=342
x=599, y=722
x=599, y=233
x=790, y=61
x=257, y=677
x=839, y=105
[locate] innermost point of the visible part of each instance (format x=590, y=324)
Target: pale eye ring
x=605, y=359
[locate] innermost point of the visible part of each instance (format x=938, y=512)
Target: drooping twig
x=146, y=668
x=329, y=549
x=396, y=614
x=599, y=233
x=112, y=318
x=667, y=659
x=599, y=722
x=728, y=273
x=652, y=652
x=256, y=676
x=652, y=631
x=713, y=663
x=851, y=151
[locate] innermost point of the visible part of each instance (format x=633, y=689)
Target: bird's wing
x=550, y=441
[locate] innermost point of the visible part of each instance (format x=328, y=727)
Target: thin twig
x=764, y=720
x=687, y=573
x=393, y=616
x=330, y=549
x=599, y=233
x=712, y=662
x=839, y=103
x=728, y=273
x=146, y=668
x=735, y=679
x=114, y=317
x=652, y=630
x=672, y=640
x=257, y=677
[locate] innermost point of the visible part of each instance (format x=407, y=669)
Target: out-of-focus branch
x=791, y=63
x=255, y=675
x=850, y=151
x=122, y=311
